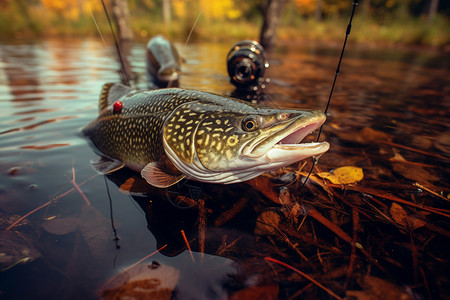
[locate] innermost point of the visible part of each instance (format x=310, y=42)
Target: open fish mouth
x=285, y=145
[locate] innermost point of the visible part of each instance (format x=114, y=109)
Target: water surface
x=50, y=89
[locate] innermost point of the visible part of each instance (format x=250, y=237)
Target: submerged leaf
x=267, y=223
x=377, y=288
x=61, y=226
x=15, y=249
x=343, y=175
x=400, y=216
x=96, y=230
x=266, y=292
x=143, y=281
x=415, y=173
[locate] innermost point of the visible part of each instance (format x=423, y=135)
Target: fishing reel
x=246, y=65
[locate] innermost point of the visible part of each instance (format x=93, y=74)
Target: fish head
x=229, y=144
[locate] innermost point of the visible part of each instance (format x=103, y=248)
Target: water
x=49, y=90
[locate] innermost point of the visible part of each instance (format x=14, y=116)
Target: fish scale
x=171, y=134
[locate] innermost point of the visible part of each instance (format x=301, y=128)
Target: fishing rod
x=336, y=74
x=124, y=76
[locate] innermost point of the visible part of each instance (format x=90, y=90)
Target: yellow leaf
x=343, y=175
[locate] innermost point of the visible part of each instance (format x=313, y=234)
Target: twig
x=142, y=259
x=415, y=259
x=386, y=195
x=301, y=223
x=188, y=246
x=46, y=204
x=88, y=203
x=414, y=150
x=339, y=232
x=134, y=265
x=232, y=212
x=201, y=226
x=31, y=212
x=430, y=191
x=298, y=293
x=355, y=217
x=331, y=293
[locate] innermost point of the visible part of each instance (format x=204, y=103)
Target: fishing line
x=116, y=237
x=347, y=33
x=96, y=26
x=185, y=44
x=124, y=74
x=192, y=30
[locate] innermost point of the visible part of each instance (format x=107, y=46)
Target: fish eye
x=250, y=123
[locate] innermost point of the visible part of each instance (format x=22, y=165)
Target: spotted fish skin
x=170, y=134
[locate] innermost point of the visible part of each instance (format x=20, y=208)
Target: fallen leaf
x=266, y=292
x=265, y=186
x=343, y=175
x=368, y=135
x=96, y=231
x=414, y=172
x=442, y=143
x=377, y=288
x=143, y=281
x=15, y=249
x=401, y=217
x=267, y=223
x=61, y=226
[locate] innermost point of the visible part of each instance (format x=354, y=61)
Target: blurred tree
x=219, y=9
x=67, y=9
x=432, y=10
x=179, y=8
x=121, y=14
x=272, y=12
x=166, y=11
x=307, y=7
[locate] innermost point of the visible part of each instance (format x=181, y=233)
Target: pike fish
x=171, y=134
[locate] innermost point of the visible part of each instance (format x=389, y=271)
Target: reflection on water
x=49, y=90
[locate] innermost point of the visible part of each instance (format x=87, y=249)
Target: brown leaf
x=135, y=185
x=368, y=135
x=96, y=231
x=400, y=216
x=61, y=226
x=377, y=288
x=15, y=249
x=267, y=223
x=415, y=173
x=266, y=292
x=143, y=281
x=265, y=186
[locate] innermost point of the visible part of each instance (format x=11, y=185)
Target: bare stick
x=188, y=246
x=77, y=187
x=331, y=293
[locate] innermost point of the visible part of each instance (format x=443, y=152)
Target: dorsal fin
x=112, y=92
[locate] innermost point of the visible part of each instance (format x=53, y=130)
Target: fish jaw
x=291, y=134
x=279, y=147
x=290, y=153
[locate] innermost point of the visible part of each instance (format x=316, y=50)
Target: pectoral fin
x=105, y=165
x=156, y=176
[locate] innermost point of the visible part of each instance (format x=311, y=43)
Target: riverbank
x=391, y=32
